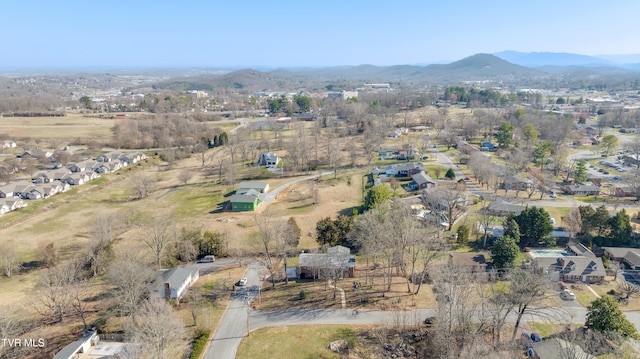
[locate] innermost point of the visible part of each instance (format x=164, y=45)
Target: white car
x=242, y=282
x=566, y=294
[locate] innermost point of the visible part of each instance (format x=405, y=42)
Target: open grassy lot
x=68, y=127
x=303, y=342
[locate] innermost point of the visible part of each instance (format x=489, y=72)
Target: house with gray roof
x=582, y=190
x=580, y=250
x=500, y=208
x=173, y=283
x=260, y=187
x=421, y=180
x=572, y=269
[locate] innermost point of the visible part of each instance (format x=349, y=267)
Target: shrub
x=199, y=342
x=303, y=294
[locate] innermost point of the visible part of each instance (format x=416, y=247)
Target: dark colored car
x=536, y=337
x=429, y=321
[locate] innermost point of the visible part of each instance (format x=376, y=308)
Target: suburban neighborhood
x=487, y=206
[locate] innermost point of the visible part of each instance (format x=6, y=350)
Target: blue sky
x=70, y=33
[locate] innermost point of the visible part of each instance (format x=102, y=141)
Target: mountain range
x=508, y=67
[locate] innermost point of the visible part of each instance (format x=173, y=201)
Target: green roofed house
x=247, y=201
x=248, y=196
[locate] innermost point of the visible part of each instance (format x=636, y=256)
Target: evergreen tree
x=504, y=253
x=604, y=315
x=535, y=225
x=511, y=228
x=376, y=196
x=580, y=173
x=505, y=135
x=450, y=174
x=620, y=229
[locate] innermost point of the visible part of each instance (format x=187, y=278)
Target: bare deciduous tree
x=185, y=176
x=159, y=331
x=158, y=233
x=141, y=186
x=132, y=278
x=9, y=260
x=52, y=296
x=271, y=244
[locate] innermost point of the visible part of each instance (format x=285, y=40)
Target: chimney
x=167, y=291
x=561, y=261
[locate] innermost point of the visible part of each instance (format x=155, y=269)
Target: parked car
x=429, y=321
x=536, y=337
x=566, y=294
x=242, y=282
x=207, y=259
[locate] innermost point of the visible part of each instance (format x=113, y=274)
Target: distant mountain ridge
x=539, y=59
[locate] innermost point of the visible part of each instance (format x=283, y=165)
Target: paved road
x=233, y=326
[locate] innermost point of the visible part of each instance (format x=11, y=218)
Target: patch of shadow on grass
x=222, y=207
x=349, y=211
x=302, y=206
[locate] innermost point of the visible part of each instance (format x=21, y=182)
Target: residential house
x=268, y=159
x=584, y=141
x=468, y=262
x=630, y=256
x=590, y=131
x=623, y=191
x=46, y=190
x=572, y=269
x=556, y=348
x=500, y=208
x=21, y=189
x=324, y=265
x=42, y=177
x=109, y=166
x=3, y=207
x=6, y=191
x=631, y=160
x=487, y=146
x=36, y=154
x=7, y=144
x=305, y=116
x=247, y=201
x=13, y=203
x=59, y=174
x=85, y=166
x=515, y=183
x=60, y=186
x=132, y=158
x=260, y=187
x=84, y=345
x=581, y=190
x=76, y=179
x=421, y=180
x=108, y=157
x=579, y=250
x=173, y=283
x=404, y=169
x=34, y=193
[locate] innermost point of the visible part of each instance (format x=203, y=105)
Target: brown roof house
x=323, y=265
x=470, y=262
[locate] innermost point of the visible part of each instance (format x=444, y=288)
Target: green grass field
x=302, y=342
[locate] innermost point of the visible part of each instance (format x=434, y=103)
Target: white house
x=173, y=283
x=268, y=159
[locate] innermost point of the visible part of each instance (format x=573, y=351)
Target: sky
x=283, y=33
